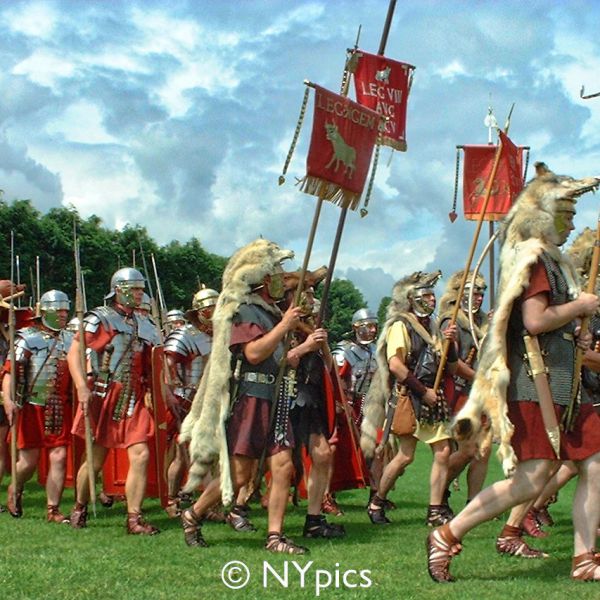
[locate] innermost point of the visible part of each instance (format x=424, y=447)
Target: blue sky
x=178, y=116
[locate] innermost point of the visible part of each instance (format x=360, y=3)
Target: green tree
x=381, y=311
x=344, y=300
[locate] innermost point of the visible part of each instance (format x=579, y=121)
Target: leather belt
x=253, y=377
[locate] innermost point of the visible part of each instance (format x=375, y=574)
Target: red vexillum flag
x=383, y=85
x=341, y=145
x=507, y=184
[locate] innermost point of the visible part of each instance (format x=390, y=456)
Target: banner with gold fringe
x=341, y=146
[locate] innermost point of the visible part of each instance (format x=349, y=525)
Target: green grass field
x=38, y=560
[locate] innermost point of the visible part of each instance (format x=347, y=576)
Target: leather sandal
x=318, y=527
x=14, y=503
x=438, y=515
x=106, y=500
x=238, y=519
x=215, y=514
x=330, y=506
x=516, y=546
x=376, y=511
x=192, y=529
x=78, y=518
x=173, y=509
x=531, y=525
x=53, y=514
x=544, y=517
x=276, y=542
x=586, y=567
x=137, y=526
x=441, y=548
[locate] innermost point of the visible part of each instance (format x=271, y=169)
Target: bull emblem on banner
x=342, y=152
x=384, y=75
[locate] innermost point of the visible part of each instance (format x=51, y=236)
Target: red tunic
x=31, y=424
x=530, y=440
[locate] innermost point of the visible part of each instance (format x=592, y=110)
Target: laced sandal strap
x=586, y=567
x=440, y=551
x=277, y=542
x=517, y=546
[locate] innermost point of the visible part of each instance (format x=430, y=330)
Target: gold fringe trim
x=329, y=191
x=399, y=145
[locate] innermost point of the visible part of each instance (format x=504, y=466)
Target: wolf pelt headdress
x=450, y=298
x=528, y=231
x=380, y=389
x=204, y=426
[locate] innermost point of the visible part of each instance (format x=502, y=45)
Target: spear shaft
x=89, y=443
x=14, y=371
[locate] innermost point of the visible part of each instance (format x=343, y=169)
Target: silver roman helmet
x=203, y=303
x=122, y=283
x=175, y=318
x=50, y=303
x=364, y=323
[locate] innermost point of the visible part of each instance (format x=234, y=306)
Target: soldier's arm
x=540, y=317
x=261, y=348
x=78, y=375
x=9, y=406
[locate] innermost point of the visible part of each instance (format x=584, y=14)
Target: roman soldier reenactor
x=121, y=342
x=458, y=385
x=43, y=400
x=238, y=414
x=408, y=357
x=534, y=331
x=187, y=348
x=357, y=363
x=312, y=410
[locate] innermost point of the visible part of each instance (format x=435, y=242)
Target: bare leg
x=477, y=473
x=135, y=484
x=318, y=478
x=396, y=466
x=586, y=507
x=527, y=482
x=3, y=450
x=55, y=484
x=281, y=468
x=83, y=490
x=176, y=470
x=439, y=471
x=565, y=473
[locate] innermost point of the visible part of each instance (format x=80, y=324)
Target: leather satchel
x=404, y=421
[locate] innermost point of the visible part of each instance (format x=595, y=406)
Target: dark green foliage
x=381, y=311
x=181, y=267
x=344, y=300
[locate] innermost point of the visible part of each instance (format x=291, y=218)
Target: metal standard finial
x=490, y=121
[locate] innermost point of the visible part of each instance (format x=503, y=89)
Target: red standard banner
x=507, y=184
x=383, y=85
x=341, y=145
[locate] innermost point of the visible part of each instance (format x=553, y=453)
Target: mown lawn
x=50, y=561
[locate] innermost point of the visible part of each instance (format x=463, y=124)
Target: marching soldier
x=357, y=363
x=43, y=387
x=534, y=331
x=231, y=417
x=459, y=384
x=187, y=348
x=407, y=354
x=121, y=343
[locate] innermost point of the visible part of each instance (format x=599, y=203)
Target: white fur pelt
x=488, y=393
x=380, y=389
x=204, y=426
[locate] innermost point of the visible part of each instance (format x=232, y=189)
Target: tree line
x=182, y=267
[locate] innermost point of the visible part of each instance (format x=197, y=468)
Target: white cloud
x=33, y=19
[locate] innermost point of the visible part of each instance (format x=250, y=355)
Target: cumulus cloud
x=178, y=116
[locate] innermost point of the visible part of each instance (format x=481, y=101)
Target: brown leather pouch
x=404, y=421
